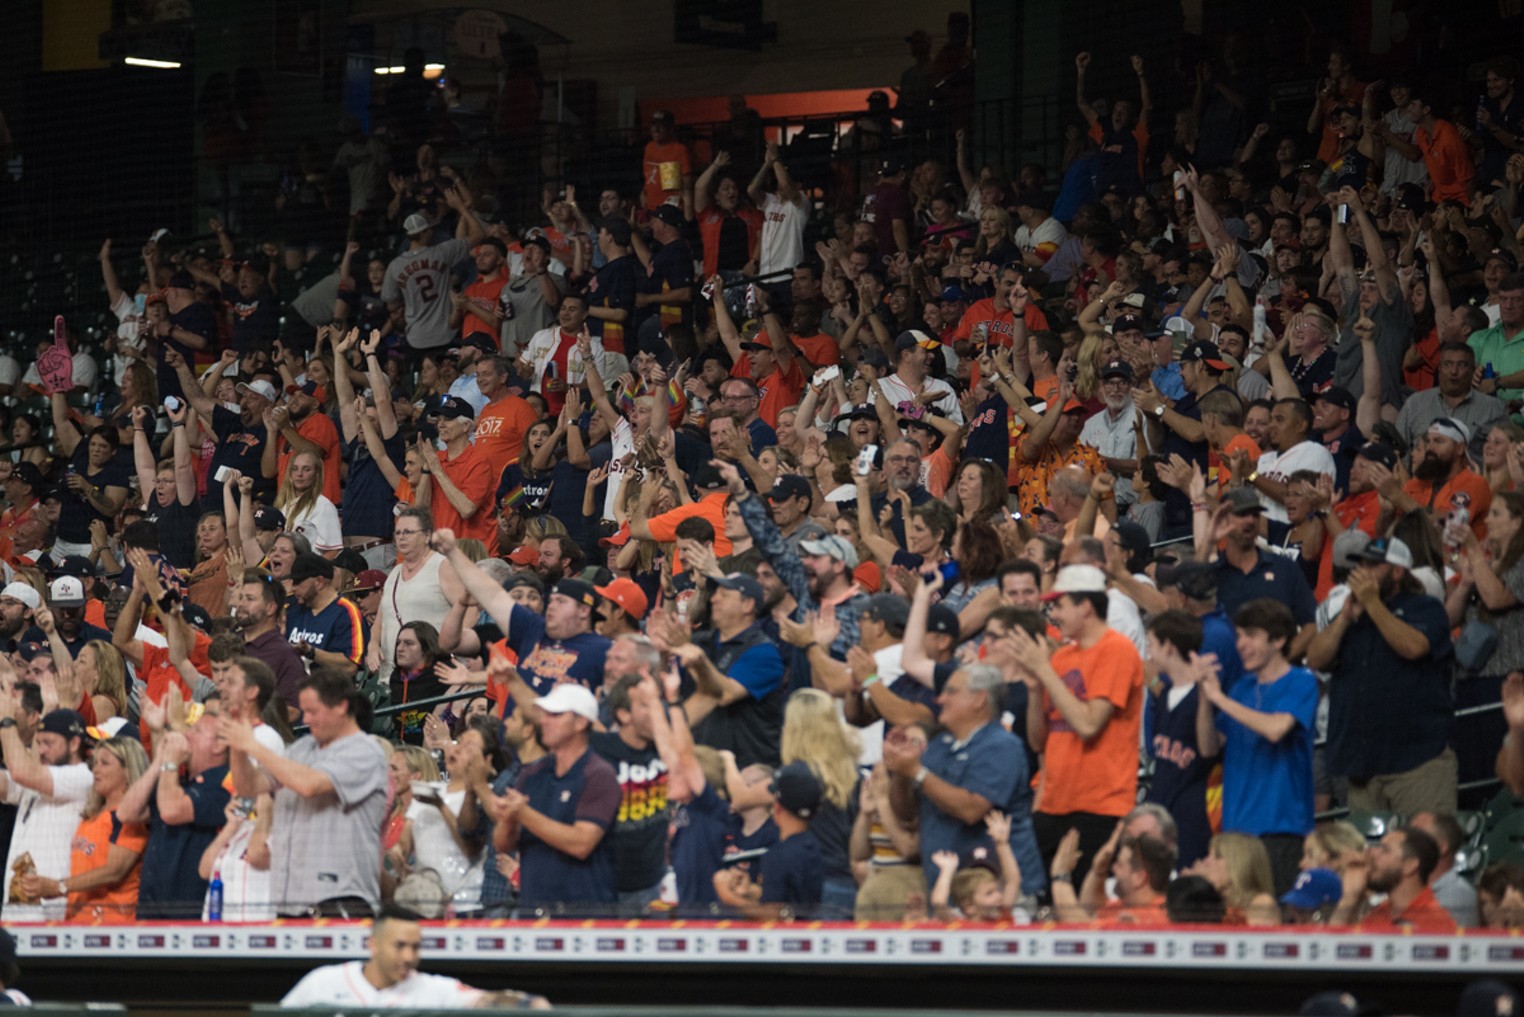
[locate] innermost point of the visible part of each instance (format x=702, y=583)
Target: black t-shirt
x=793, y=874
x=77, y=513
x=177, y=530
x=194, y=317
x=640, y=825
x=411, y=689
x=254, y=321
x=239, y=447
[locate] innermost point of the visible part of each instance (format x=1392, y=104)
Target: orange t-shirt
x=1099, y=776
x=820, y=350
x=10, y=522
x=674, y=155
x=500, y=430
x=711, y=507
x=487, y=290
x=470, y=472
x=1240, y=442
x=1440, y=500
x=1425, y=914
x=1114, y=912
x=89, y=850
x=317, y=428
x=780, y=389
x=158, y=673
x=1002, y=324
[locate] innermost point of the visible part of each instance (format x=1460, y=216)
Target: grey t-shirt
x=421, y=279
x=329, y=845
x=1394, y=333
x=530, y=311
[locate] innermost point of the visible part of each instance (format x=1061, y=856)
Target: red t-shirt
x=487, y=290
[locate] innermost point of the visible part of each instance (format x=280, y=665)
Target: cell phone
x=223, y=474
x=1016, y=517
x=864, y=464
x=826, y=374
x=742, y=857
x=171, y=402
x=243, y=808
x=425, y=791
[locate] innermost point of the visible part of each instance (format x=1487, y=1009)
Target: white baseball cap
x=259, y=387
x=66, y=591
x=1077, y=579
x=23, y=593
x=415, y=224
x=569, y=698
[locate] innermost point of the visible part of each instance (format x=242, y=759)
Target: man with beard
x=639, y=833
x=324, y=627
x=241, y=437
x=534, y=289
x=902, y=474
x=477, y=309
x=1398, y=866
x=257, y=611
x=819, y=578
x=17, y=602
x=302, y=426
x=1112, y=431
x=558, y=556
x=1389, y=704
x=1454, y=394
x=1051, y=446
x=1292, y=449
x=1360, y=508
x=1201, y=372
x=1442, y=478
x=48, y=781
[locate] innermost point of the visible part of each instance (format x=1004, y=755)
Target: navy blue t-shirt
x=369, y=504
x=194, y=317
x=701, y=829
x=793, y=873
x=254, y=321
x=552, y=879
x=989, y=433
x=338, y=628
x=1272, y=576
x=672, y=266
x=533, y=489
x=240, y=447
x=614, y=287
x=546, y=662
x=76, y=514
x=1180, y=771
x=171, y=887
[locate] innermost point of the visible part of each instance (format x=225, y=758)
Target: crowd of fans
x=1008, y=551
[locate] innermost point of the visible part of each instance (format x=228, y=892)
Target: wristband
x=169, y=767
x=1198, y=506
x=870, y=680
x=1061, y=877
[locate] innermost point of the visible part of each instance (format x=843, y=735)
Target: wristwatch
x=1159, y=411
x=920, y=776
x=169, y=767
x=7, y=723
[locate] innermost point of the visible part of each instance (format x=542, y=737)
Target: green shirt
x=1505, y=355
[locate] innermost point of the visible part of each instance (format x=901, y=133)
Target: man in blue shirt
x=973, y=767
x=559, y=816
x=1264, y=727
x=324, y=627
x=792, y=872
x=558, y=646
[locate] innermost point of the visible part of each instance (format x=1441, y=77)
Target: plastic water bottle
x=214, y=897
x=1489, y=372
x=1261, y=325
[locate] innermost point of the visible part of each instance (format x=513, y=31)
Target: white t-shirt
x=434, y=847
x=340, y=984
x=320, y=525
x=245, y=889
x=45, y=829
x=85, y=372
x=10, y=371
x=782, y=243
x=1050, y=231
x=896, y=391
x=1307, y=455
x=890, y=665
x=623, y=441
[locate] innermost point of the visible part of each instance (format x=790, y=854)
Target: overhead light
x=165, y=65
x=390, y=70
x=432, y=72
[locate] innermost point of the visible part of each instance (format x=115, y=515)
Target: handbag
x=1475, y=645
x=422, y=892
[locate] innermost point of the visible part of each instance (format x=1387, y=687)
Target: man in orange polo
x=22, y=486
x=1399, y=866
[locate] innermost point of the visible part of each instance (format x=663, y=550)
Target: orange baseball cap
x=628, y=595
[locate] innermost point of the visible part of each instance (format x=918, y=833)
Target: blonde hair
x=110, y=672
x=1087, y=380
x=419, y=761
x=1248, y=867
x=967, y=883
x=472, y=548
x=296, y=505
x=133, y=759
x=1338, y=840
x=537, y=528
x=814, y=734
x=713, y=765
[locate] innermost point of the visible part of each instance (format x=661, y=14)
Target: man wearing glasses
x=741, y=396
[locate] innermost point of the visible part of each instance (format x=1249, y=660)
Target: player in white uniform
x=391, y=977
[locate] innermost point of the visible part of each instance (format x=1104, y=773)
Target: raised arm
x=1081, y=64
